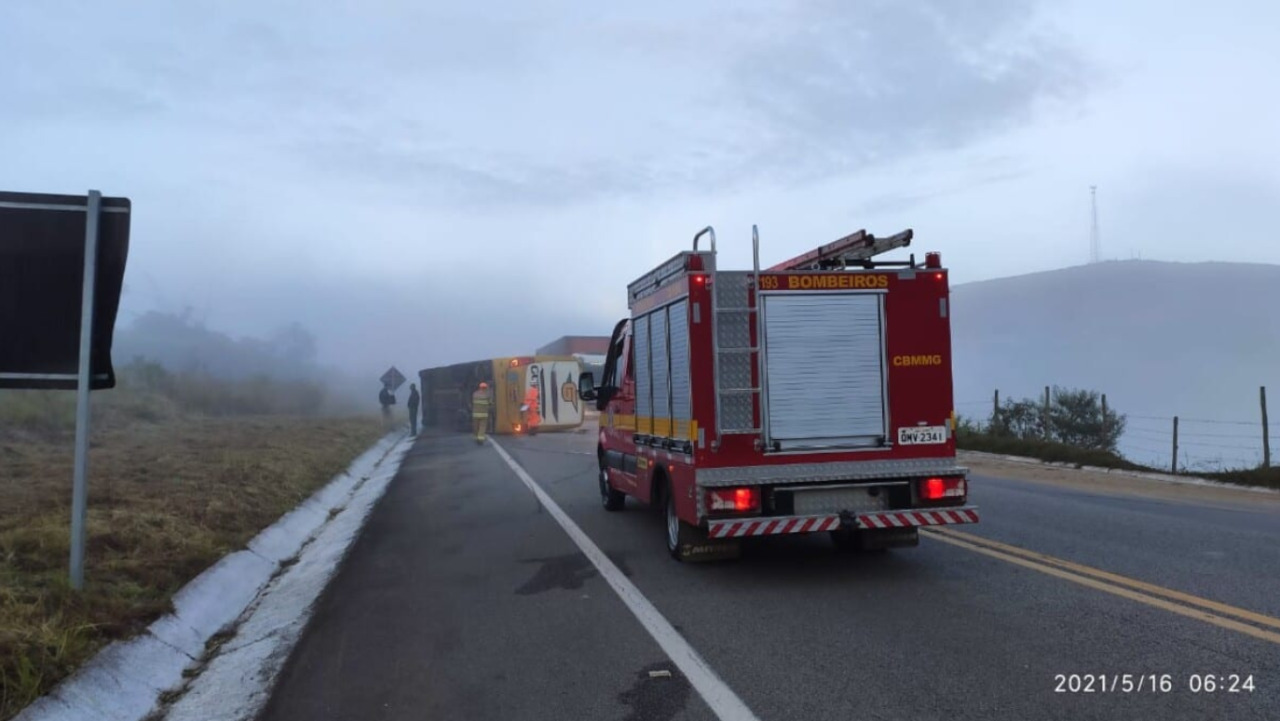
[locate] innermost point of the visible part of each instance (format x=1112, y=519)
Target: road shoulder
x=1118, y=483
x=464, y=598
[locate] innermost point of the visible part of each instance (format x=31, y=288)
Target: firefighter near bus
x=812, y=396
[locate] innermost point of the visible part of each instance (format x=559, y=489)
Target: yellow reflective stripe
x=687, y=430
x=681, y=430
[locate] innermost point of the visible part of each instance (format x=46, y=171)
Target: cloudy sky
x=422, y=183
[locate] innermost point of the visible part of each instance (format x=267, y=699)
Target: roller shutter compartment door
x=681, y=388
x=825, y=370
x=644, y=381
x=660, y=362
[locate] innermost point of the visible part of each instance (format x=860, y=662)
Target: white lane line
x=724, y=703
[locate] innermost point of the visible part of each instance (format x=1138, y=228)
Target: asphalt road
x=465, y=599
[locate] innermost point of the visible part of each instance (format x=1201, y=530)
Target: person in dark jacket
x=386, y=399
x=414, y=399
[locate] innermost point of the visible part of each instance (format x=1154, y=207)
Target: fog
x=417, y=183
x=1194, y=340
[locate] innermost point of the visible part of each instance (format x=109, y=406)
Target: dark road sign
x=42, y=260
x=393, y=378
x=62, y=263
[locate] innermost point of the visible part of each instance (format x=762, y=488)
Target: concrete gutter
x=128, y=679
x=237, y=682
x=1163, y=477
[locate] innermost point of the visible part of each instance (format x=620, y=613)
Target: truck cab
x=615, y=398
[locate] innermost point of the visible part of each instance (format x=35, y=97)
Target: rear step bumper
x=811, y=524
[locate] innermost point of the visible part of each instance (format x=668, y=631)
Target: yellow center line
x=1116, y=585
x=1150, y=588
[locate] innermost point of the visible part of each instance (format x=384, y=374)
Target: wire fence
x=1195, y=443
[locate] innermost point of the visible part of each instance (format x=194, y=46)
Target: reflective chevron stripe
x=812, y=524
x=906, y=519
x=771, y=526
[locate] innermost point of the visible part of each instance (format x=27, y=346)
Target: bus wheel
x=611, y=500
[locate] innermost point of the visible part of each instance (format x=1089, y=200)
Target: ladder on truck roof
x=854, y=249
x=737, y=378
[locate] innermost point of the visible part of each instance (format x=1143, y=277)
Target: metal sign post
x=80, y=487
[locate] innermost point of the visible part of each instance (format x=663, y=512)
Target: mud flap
x=695, y=547
x=707, y=550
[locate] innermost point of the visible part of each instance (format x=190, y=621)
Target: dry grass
x=169, y=495
x=1061, y=453
x=1051, y=451
x=1265, y=477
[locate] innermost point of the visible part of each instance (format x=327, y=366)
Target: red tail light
x=739, y=500
x=935, y=489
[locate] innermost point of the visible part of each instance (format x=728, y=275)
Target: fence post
x=1045, y=415
x=1175, y=445
x=995, y=406
x=1104, y=416
x=1266, y=436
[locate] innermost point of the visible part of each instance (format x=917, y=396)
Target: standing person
x=480, y=404
x=533, y=418
x=413, y=402
x=387, y=400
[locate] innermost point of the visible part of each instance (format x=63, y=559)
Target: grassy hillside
x=183, y=469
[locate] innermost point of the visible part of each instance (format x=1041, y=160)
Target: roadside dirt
x=1115, y=483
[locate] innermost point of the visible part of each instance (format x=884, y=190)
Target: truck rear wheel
x=611, y=500
x=680, y=535
x=690, y=543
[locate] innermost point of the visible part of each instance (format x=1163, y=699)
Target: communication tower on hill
x=1095, y=236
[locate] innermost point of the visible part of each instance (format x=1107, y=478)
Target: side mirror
x=587, y=387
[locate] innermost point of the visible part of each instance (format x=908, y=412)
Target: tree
x=293, y=343
x=968, y=426
x=1017, y=419
x=1076, y=419
x=182, y=344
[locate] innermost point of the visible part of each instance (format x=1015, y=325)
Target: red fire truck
x=811, y=396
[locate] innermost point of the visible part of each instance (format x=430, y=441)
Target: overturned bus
x=446, y=393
